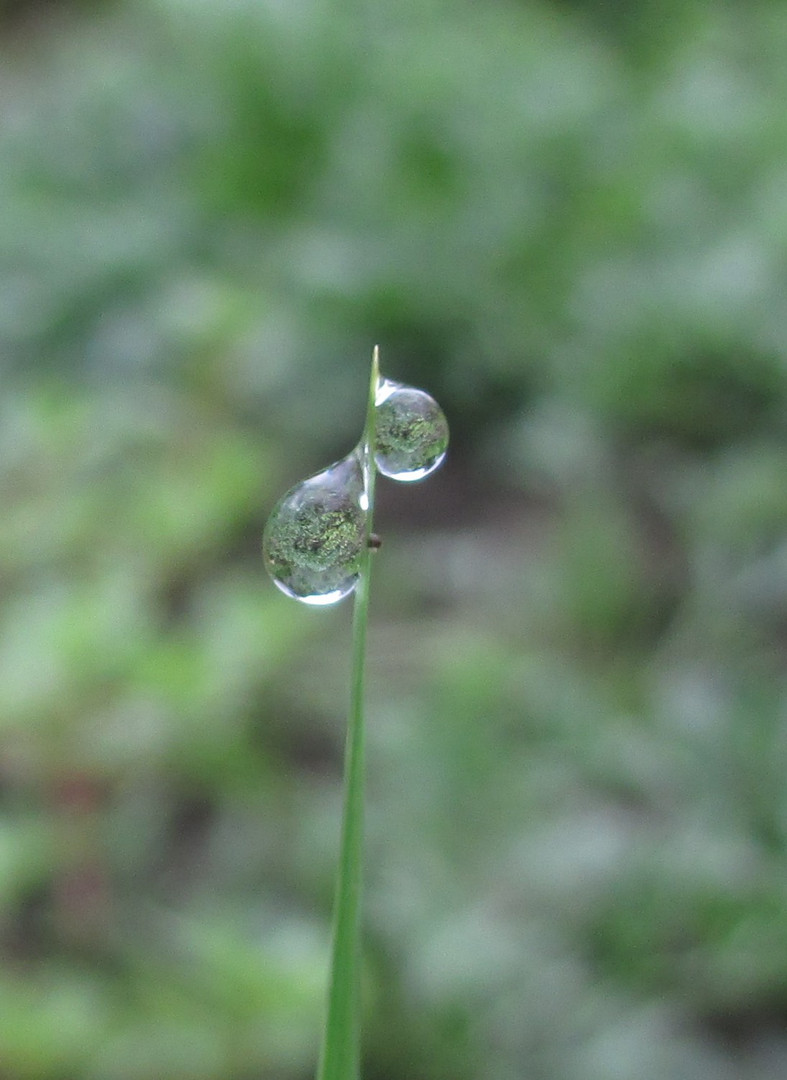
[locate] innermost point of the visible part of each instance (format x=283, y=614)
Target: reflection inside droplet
x=315, y=537
x=412, y=432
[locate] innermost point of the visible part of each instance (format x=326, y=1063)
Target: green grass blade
x=340, y=1053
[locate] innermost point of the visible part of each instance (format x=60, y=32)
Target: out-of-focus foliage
x=568, y=225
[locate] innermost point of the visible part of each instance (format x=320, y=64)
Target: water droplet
x=412, y=432
x=316, y=535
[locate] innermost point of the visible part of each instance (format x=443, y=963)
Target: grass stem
x=340, y=1052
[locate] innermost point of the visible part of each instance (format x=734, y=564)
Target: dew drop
x=412, y=432
x=316, y=535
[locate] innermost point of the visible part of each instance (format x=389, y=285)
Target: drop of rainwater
x=315, y=537
x=412, y=432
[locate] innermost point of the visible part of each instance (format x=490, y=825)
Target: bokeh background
x=568, y=221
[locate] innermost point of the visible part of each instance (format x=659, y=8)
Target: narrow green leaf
x=340, y=1053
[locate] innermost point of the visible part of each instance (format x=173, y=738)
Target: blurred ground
x=569, y=224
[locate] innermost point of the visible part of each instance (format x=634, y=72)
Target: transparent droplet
x=412, y=432
x=315, y=537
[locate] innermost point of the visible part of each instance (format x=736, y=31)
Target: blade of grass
x=340, y=1053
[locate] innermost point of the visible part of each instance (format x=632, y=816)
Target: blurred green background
x=568, y=221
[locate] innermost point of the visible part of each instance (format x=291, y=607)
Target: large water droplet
x=315, y=537
x=412, y=432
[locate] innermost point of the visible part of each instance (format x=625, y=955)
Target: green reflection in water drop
x=314, y=538
x=412, y=432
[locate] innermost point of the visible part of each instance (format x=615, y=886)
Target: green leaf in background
x=569, y=226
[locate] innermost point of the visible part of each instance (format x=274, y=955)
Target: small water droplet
x=412, y=432
x=315, y=537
